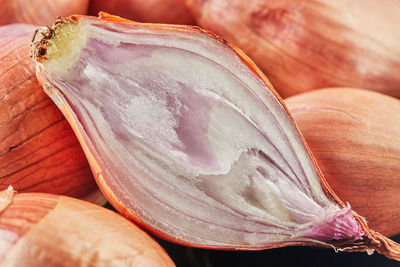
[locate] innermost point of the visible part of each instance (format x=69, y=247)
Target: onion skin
x=38, y=149
x=39, y=12
x=371, y=240
x=155, y=11
x=85, y=235
x=305, y=45
x=354, y=136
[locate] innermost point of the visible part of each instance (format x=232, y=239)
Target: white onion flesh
x=193, y=141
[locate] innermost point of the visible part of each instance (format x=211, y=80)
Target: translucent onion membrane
x=310, y=44
x=49, y=230
x=187, y=137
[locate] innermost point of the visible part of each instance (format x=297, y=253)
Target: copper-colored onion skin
x=39, y=12
x=49, y=230
x=355, y=137
x=154, y=11
x=305, y=45
x=38, y=149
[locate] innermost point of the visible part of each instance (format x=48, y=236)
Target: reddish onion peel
x=38, y=149
x=39, y=12
x=303, y=45
x=187, y=137
x=355, y=138
x=155, y=11
x=48, y=230
x=6, y=198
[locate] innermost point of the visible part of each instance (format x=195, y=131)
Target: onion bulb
x=38, y=149
x=355, y=138
x=39, y=12
x=303, y=45
x=49, y=230
x=187, y=137
x=155, y=11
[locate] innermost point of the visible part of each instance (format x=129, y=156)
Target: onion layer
x=304, y=45
x=187, y=137
x=49, y=230
x=355, y=138
x=38, y=150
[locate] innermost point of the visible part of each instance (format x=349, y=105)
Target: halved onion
x=187, y=137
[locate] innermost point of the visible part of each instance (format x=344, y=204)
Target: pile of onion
x=304, y=45
x=49, y=230
x=355, y=138
x=187, y=137
x=38, y=149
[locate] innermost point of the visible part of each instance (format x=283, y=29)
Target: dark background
x=288, y=256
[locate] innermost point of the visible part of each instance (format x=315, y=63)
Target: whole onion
x=39, y=12
x=303, y=45
x=49, y=230
x=355, y=138
x=187, y=137
x=38, y=149
x=155, y=11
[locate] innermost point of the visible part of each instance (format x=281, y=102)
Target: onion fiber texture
x=187, y=137
x=39, y=12
x=310, y=44
x=38, y=149
x=355, y=137
x=50, y=230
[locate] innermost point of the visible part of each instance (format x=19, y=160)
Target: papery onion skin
x=305, y=45
x=38, y=149
x=50, y=230
x=367, y=240
x=354, y=135
x=154, y=11
x=39, y=12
